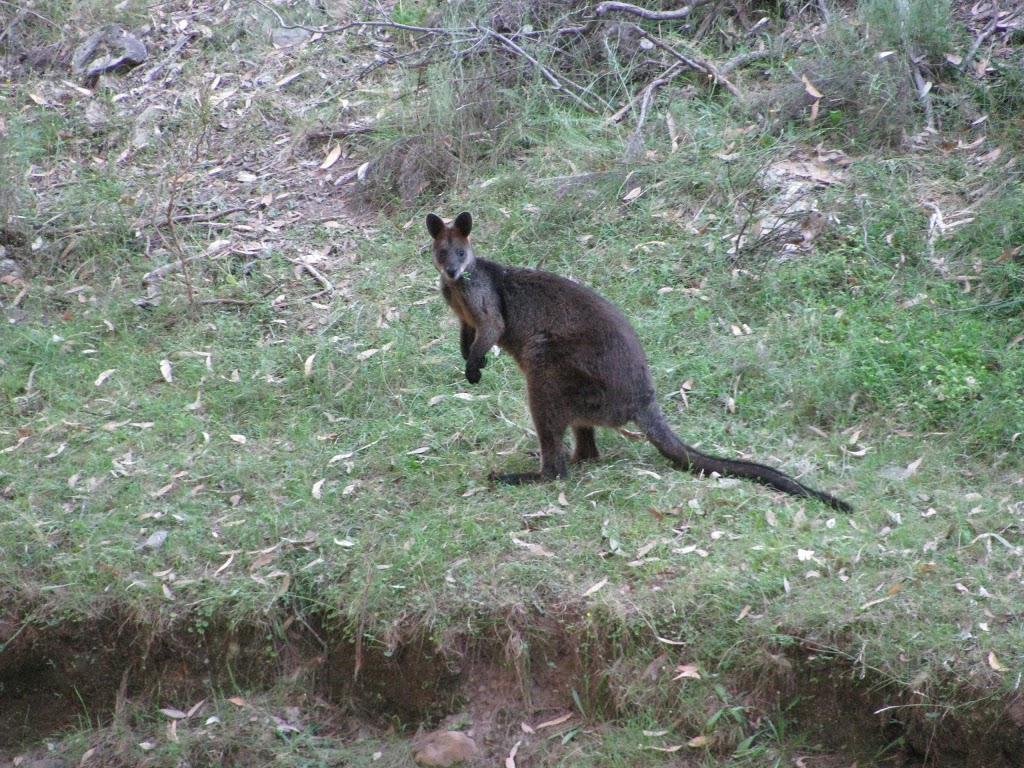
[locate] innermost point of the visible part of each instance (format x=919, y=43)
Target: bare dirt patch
x=104, y=675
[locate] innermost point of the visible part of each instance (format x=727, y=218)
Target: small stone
x=287, y=37
x=8, y=267
x=105, y=50
x=444, y=748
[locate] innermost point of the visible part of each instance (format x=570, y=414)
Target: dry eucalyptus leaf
x=166, y=371
x=104, y=376
x=332, y=157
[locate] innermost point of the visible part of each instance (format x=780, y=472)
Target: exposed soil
x=59, y=678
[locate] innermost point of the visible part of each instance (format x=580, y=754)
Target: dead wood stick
x=355, y=24
x=644, y=97
x=346, y=130
x=644, y=13
x=161, y=272
x=700, y=65
x=317, y=275
x=547, y=73
x=924, y=96
x=234, y=302
x=981, y=38
x=193, y=218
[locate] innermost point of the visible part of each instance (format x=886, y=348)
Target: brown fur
x=582, y=360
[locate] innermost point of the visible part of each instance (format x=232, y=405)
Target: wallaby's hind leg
x=553, y=454
x=586, y=445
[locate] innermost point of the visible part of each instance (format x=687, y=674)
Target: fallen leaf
x=510, y=761
x=600, y=585
x=687, y=671
x=553, y=723
x=870, y=603
x=174, y=714
x=673, y=748
x=316, y=488
x=104, y=376
x=813, y=92
x=536, y=549
x=240, y=439
x=332, y=157
x=666, y=641
x=698, y=741
x=226, y=563
x=993, y=661
x=633, y=194
x=166, y=371
x=307, y=368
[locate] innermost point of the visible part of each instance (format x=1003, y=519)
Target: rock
x=105, y=50
x=444, y=748
x=288, y=37
x=9, y=267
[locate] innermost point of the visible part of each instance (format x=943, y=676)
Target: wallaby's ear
x=463, y=223
x=435, y=225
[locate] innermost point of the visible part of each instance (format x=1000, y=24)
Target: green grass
x=358, y=507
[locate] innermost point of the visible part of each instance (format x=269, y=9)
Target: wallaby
x=581, y=357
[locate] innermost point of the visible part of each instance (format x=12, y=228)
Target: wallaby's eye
x=462, y=253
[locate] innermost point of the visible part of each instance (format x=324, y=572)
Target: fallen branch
x=238, y=302
x=547, y=73
x=644, y=13
x=700, y=65
x=328, y=286
x=193, y=218
x=348, y=130
x=985, y=33
x=645, y=96
x=161, y=272
x=924, y=88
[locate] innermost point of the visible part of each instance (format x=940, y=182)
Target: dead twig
x=328, y=286
x=547, y=73
x=233, y=302
x=192, y=218
x=924, y=88
x=355, y=24
x=161, y=272
x=644, y=13
x=700, y=65
x=744, y=59
x=345, y=130
x=645, y=96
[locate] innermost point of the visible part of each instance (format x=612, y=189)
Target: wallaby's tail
x=653, y=423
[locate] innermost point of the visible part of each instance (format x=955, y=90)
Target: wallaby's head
x=453, y=255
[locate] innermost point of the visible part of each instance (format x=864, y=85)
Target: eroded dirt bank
x=106, y=674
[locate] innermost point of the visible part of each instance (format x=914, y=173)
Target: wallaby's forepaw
x=472, y=374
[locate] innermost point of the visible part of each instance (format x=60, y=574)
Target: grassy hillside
x=245, y=509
